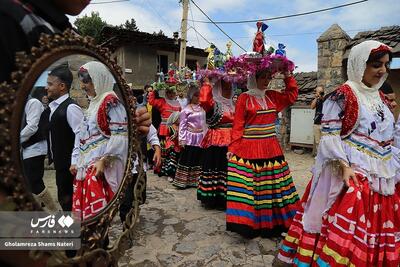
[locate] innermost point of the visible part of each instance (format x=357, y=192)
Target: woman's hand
x=99, y=167
x=229, y=155
x=157, y=156
x=73, y=169
x=347, y=174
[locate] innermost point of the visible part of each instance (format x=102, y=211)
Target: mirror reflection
x=76, y=119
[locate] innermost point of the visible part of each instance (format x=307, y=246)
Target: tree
x=90, y=25
x=160, y=33
x=130, y=25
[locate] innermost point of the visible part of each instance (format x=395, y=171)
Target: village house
x=142, y=55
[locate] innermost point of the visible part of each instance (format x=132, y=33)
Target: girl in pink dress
x=192, y=129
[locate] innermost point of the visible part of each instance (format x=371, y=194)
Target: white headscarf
x=258, y=94
x=217, y=95
x=103, y=82
x=356, y=65
x=171, y=102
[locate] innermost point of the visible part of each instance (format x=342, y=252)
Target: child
x=172, y=147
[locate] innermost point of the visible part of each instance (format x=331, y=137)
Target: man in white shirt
x=65, y=119
x=34, y=150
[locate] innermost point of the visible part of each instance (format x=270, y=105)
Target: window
x=162, y=64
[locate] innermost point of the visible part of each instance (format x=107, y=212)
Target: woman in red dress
x=166, y=106
x=216, y=100
x=172, y=147
x=261, y=196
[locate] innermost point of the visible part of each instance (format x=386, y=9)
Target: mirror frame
x=13, y=97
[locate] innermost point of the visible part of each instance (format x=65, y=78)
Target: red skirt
x=360, y=229
x=91, y=195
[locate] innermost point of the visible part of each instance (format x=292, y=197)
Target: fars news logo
x=49, y=225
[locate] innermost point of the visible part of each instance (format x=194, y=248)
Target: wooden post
x=182, y=52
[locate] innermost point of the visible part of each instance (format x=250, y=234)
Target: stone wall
x=278, y=84
x=76, y=93
x=74, y=63
x=331, y=47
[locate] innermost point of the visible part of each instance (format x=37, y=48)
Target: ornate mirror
x=69, y=143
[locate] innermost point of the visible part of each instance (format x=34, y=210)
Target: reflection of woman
x=191, y=132
x=217, y=102
x=349, y=214
x=261, y=195
x=103, y=142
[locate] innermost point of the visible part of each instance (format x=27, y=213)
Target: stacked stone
x=331, y=47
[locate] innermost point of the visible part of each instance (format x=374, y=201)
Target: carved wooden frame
x=13, y=97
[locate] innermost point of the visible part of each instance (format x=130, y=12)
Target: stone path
x=175, y=230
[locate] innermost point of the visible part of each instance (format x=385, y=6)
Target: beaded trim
x=213, y=118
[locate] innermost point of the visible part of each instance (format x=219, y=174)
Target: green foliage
x=90, y=25
x=158, y=86
x=160, y=33
x=130, y=25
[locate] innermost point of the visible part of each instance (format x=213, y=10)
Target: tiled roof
x=113, y=38
x=388, y=35
x=307, y=82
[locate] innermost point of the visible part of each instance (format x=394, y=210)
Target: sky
x=299, y=34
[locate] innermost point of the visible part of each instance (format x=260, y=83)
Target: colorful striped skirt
x=261, y=197
x=362, y=228
x=211, y=190
x=168, y=167
x=189, y=167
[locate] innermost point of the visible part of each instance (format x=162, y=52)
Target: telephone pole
x=182, y=52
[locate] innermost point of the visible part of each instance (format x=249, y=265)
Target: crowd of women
x=349, y=213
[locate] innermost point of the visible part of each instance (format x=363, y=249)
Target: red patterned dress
x=349, y=226
x=211, y=190
x=261, y=196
